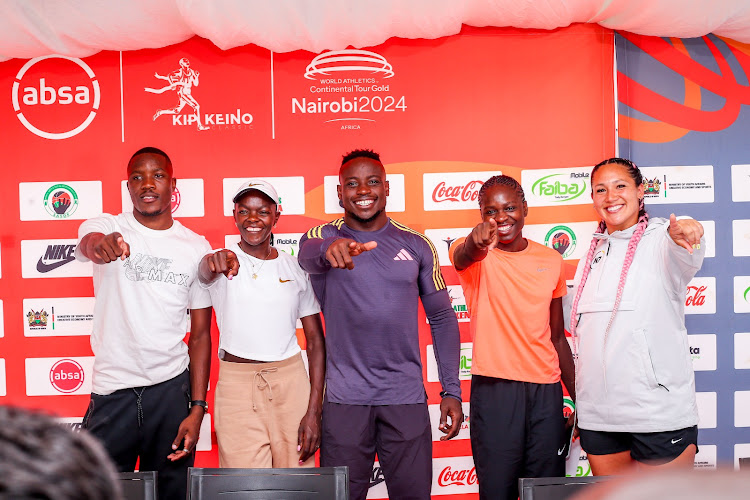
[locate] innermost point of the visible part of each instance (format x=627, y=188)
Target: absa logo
x=467, y=192
x=175, y=199
x=449, y=477
x=66, y=376
x=56, y=97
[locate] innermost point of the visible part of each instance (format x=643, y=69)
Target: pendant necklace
x=255, y=273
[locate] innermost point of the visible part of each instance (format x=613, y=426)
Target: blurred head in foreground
x=43, y=460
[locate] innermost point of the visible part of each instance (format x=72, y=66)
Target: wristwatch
x=199, y=402
x=447, y=394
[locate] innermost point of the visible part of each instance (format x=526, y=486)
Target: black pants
x=399, y=433
x=517, y=430
x=142, y=423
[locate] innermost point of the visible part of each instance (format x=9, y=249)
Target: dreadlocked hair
x=640, y=228
x=501, y=180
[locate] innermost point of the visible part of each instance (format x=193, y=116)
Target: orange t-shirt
x=508, y=295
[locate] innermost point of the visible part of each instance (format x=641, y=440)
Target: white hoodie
x=640, y=378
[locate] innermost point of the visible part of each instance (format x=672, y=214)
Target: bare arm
x=565, y=357
x=482, y=239
x=308, y=436
x=199, y=348
x=214, y=264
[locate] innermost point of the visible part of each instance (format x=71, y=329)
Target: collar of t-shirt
x=147, y=231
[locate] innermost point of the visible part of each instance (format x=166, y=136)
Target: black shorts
x=654, y=448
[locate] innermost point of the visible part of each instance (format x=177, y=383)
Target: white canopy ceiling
x=31, y=28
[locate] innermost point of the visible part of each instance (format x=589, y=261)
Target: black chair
x=138, y=485
x=323, y=483
x=554, y=488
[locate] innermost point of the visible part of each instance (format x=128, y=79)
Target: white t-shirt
x=257, y=318
x=140, y=315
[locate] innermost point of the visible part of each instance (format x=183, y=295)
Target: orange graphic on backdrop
x=676, y=119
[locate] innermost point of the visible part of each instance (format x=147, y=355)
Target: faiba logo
x=558, y=188
x=181, y=81
x=61, y=201
x=562, y=239
x=38, y=109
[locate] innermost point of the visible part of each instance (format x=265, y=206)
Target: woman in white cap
x=267, y=410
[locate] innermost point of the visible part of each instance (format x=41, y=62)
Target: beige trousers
x=258, y=409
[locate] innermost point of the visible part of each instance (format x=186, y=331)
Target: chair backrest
x=138, y=485
x=554, y=488
x=329, y=483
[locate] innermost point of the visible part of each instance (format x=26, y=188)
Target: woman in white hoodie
x=635, y=383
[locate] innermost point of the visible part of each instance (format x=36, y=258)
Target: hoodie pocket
x=639, y=339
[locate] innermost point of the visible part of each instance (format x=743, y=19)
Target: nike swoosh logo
x=675, y=441
x=284, y=281
x=45, y=268
x=560, y=451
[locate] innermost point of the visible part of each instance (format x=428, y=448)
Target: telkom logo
x=54, y=99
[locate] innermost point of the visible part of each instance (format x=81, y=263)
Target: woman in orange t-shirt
x=514, y=290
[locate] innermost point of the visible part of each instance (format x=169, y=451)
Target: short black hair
x=360, y=153
x=42, y=459
x=154, y=151
x=502, y=180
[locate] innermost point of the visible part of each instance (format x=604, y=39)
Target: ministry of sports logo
x=562, y=239
x=61, y=201
x=37, y=319
x=652, y=186
x=181, y=82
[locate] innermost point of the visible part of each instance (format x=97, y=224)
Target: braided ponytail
x=635, y=173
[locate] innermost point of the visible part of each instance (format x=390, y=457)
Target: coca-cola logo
x=467, y=192
x=66, y=376
x=463, y=477
x=695, y=295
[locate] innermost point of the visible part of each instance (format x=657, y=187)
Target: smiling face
x=255, y=215
x=363, y=191
x=151, y=184
x=505, y=205
x=616, y=196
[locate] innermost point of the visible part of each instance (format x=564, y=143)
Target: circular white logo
x=348, y=60
x=44, y=94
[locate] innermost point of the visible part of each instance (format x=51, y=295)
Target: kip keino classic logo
x=56, y=97
x=180, y=83
x=360, y=82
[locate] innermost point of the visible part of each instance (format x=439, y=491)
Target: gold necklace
x=255, y=273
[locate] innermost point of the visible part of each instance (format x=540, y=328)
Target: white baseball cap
x=257, y=185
